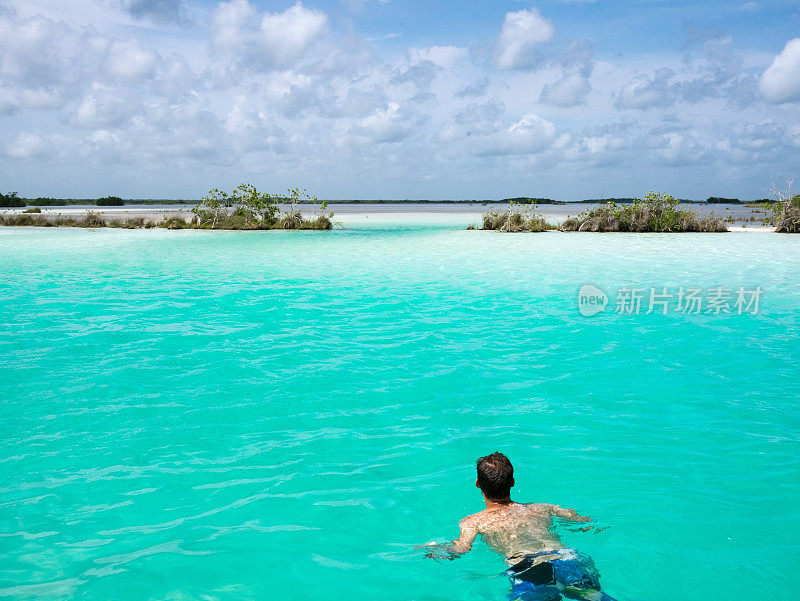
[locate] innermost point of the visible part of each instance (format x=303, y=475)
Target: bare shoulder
x=472, y=520
x=565, y=513
x=539, y=508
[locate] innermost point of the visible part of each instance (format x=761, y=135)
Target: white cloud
x=174, y=78
x=762, y=136
x=683, y=148
x=473, y=120
x=477, y=88
x=359, y=102
x=267, y=40
x=569, y=90
x=522, y=32
x=230, y=22
x=421, y=75
x=285, y=96
x=442, y=56
x=128, y=62
x=293, y=93
x=27, y=146
x=644, y=91
x=781, y=81
x=27, y=53
x=288, y=34
x=530, y=135
x=104, y=107
x=40, y=98
x=386, y=125
x=9, y=101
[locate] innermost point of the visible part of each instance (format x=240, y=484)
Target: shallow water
x=283, y=415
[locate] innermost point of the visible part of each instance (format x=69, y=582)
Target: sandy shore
x=751, y=228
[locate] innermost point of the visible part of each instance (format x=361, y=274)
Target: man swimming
x=540, y=567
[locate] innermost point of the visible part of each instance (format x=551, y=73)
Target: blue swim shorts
x=565, y=570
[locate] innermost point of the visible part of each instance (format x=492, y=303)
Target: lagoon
x=283, y=415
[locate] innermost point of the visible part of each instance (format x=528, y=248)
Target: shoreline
x=361, y=213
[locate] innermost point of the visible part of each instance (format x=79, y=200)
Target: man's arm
x=468, y=532
x=568, y=514
x=457, y=547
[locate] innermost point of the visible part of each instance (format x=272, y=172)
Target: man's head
x=495, y=476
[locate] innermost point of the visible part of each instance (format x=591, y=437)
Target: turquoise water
x=283, y=415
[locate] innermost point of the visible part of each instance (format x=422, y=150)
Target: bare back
x=515, y=529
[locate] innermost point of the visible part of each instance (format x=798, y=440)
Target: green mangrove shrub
x=245, y=208
x=786, y=209
x=248, y=209
x=90, y=219
x=519, y=217
x=653, y=213
x=789, y=221
x=762, y=203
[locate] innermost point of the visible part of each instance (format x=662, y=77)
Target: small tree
x=249, y=208
x=661, y=212
x=511, y=217
x=296, y=196
x=787, y=211
x=520, y=217
x=653, y=213
x=211, y=207
x=253, y=205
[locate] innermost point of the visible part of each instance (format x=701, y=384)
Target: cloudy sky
x=399, y=99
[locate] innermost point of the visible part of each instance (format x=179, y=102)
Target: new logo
x=591, y=300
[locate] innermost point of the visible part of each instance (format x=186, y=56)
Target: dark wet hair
x=495, y=476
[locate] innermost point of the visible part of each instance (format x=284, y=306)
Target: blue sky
x=390, y=99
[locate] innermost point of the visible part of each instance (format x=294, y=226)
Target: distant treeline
x=626, y=200
x=615, y=200
x=535, y=201
x=358, y=201
x=110, y=201
x=736, y=201
x=243, y=209
x=13, y=200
